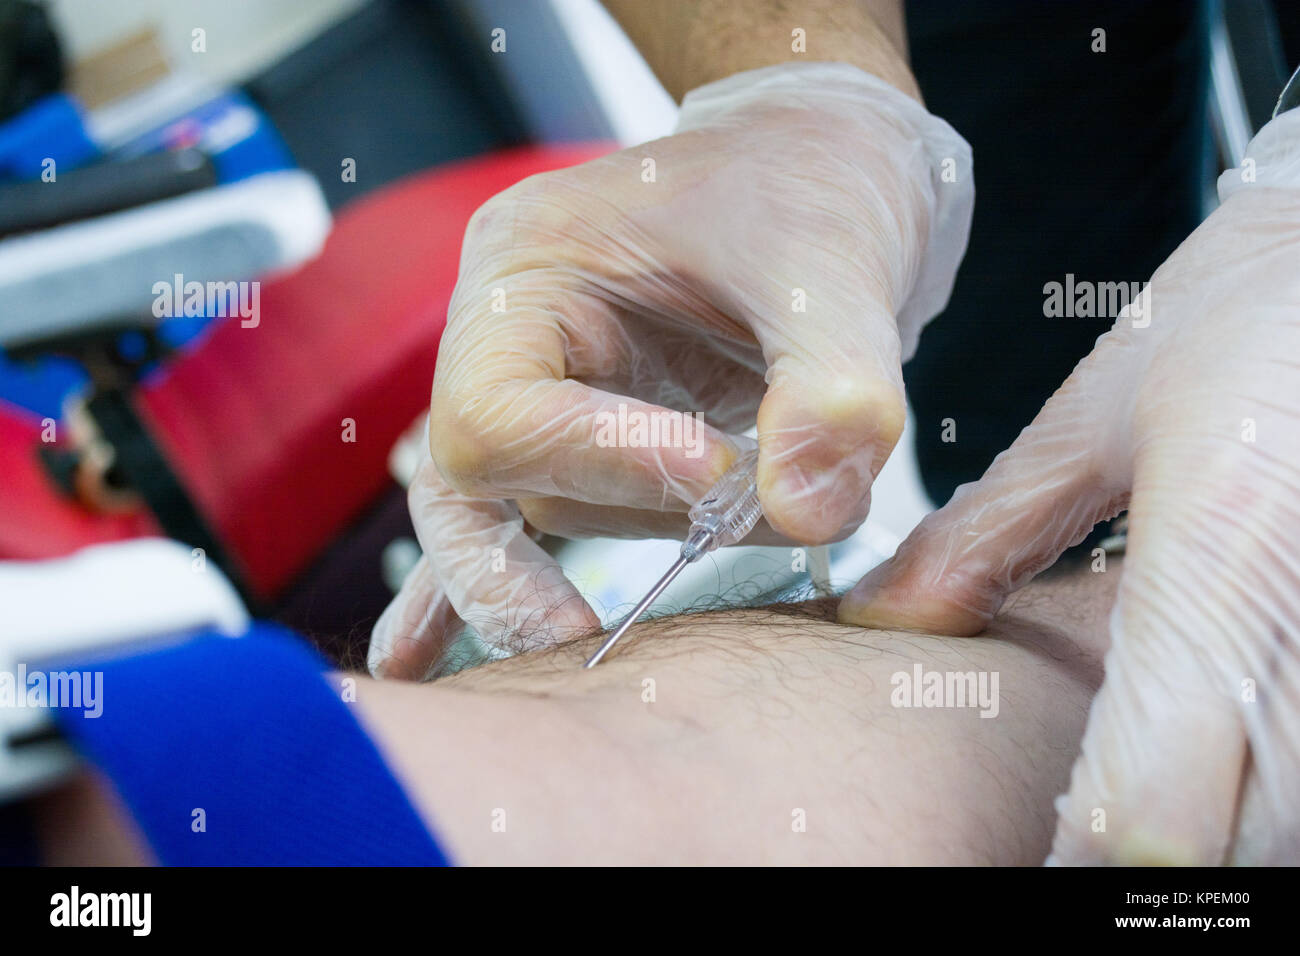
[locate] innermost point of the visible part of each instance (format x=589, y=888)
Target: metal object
x=723, y=516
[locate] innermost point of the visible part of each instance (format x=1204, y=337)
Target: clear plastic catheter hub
x=728, y=512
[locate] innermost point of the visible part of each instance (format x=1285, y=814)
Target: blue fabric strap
x=237, y=751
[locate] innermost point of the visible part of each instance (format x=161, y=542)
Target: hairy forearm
x=692, y=42
x=742, y=736
x=714, y=738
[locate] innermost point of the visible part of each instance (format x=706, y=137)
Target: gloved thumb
x=824, y=432
x=1065, y=472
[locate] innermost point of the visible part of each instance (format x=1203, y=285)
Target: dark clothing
x=1086, y=162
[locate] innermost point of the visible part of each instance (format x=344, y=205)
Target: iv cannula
x=723, y=516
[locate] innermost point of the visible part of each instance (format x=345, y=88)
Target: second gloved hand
x=1188, y=413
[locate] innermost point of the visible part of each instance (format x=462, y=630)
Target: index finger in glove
x=508, y=418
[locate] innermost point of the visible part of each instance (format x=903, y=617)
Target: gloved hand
x=770, y=263
x=1192, y=749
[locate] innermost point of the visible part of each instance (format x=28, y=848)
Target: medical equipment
x=723, y=516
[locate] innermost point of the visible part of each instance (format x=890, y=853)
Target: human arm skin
x=758, y=716
x=692, y=42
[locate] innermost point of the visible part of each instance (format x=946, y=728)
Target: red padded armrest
x=251, y=419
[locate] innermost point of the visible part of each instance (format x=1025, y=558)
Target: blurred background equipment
x=155, y=147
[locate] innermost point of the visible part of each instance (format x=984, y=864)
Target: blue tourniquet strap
x=237, y=751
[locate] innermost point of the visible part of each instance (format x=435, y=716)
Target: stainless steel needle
x=723, y=516
x=640, y=609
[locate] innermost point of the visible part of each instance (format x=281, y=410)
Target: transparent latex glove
x=769, y=263
x=1189, y=415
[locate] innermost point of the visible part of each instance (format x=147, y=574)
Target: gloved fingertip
x=405, y=640
x=1133, y=847
x=1140, y=847
x=381, y=644
x=891, y=597
x=795, y=509
x=382, y=659
x=585, y=621
x=571, y=619
x=823, y=440
x=863, y=603
x=405, y=658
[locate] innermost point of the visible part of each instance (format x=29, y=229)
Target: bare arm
x=692, y=42
x=756, y=736
x=737, y=736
